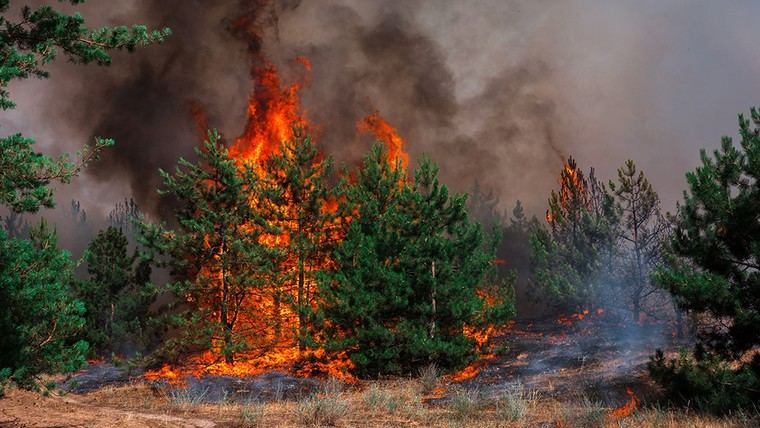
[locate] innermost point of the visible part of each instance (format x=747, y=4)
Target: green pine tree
x=644, y=230
x=40, y=322
x=27, y=45
x=216, y=254
x=41, y=317
x=117, y=295
x=569, y=259
x=407, y=275
x=715, y=271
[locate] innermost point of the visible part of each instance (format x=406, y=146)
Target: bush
x=707, y=382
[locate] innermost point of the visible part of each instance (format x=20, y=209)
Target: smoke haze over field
x=497, y=92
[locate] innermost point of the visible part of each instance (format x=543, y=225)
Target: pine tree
x=26, y=47
x=568, y=259
x=124, y=216
x=41, y=317
x=40, y=322
x=15, y=225
x=117, y=294
x=407, y=275
x=217, y=254
x=715, y=271
x=295, y=184
x=643, y=233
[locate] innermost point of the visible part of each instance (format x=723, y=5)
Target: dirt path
x=27, y=409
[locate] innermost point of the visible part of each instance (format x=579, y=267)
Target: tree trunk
x=277, y=316
x=300, y=304
x=432, y=301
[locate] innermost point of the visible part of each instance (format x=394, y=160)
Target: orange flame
x=273, y=111
x=627, y=408
x=383, y=131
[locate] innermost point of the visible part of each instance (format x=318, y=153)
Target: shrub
x=707, y=382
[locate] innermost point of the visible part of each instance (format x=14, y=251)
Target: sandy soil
x=28, y=409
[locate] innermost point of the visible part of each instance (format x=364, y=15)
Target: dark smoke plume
x=497, y=92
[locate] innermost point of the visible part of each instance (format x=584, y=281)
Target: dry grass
x=373, y=404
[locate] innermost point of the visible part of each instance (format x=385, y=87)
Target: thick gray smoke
x=497, y=92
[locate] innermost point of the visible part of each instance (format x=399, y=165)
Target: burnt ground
x=268, y=386
x=594, y=357
x=564, y=362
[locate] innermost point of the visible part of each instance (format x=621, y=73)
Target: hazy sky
x=496, y=91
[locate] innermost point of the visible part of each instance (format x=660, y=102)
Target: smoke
x=497, y=92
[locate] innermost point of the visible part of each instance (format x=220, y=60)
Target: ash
x=593, y=357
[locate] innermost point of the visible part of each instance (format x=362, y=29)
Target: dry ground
x=400, y=403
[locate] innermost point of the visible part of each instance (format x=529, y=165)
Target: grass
x=515, y=403
x=324, y=409
x=429, y=376
x=395, y=403
x=188, y=396
x=252, y=415
x=585, y=413
x=467, y=404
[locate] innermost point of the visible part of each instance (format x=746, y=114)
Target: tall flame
x=383, y=131
x=273, y=111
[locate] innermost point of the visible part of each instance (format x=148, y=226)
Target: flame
x=166, y=372
x=383, y=131
x=571, y=179
x=573, y=192
x=273, y=112
x=627, y=408
x=472, y=370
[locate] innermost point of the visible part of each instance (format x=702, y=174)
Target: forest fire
x=274, y=118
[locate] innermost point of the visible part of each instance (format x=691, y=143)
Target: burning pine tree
x=265, y=255
x=567, y=260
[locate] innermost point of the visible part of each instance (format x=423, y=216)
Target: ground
x=568, y=373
